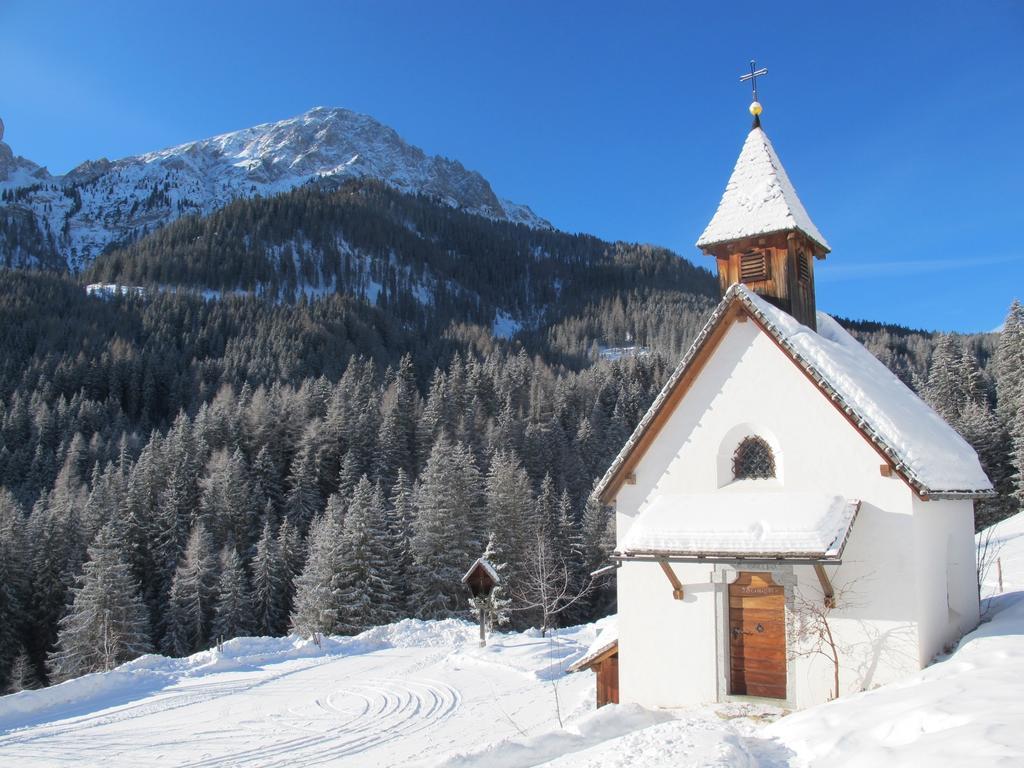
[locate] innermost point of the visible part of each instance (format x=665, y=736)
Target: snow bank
x=606, y=723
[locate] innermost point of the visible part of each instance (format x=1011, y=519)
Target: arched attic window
x=753, y=459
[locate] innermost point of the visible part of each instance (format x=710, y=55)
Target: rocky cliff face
x=102, y=203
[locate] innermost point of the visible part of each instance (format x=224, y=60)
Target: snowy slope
x=102, y=202
x=424, y=694
x=408, y=693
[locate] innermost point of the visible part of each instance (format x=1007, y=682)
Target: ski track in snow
x=394, y=706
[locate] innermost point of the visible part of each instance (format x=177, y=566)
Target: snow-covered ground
x=424, y=694
x=404, y=694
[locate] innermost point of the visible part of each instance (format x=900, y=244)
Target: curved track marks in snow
x=346, y=722
x=404, y=705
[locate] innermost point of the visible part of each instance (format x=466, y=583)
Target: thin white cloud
x=836, y=273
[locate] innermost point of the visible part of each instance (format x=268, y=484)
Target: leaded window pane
x=753, y=459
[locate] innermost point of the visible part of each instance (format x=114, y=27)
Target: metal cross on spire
x=754, y=74
x=755, y=105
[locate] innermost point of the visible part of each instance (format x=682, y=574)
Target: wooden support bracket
x=677, y=586
x=631, y=478
x=826, y=585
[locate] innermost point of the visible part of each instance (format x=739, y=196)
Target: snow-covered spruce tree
x=510, y=511
x=1017, y=456
x=106, y=624
x=401, y=516
x=227, y=503
x=945, y=388
x=54, y=538
x=396, y=450
x=269, y=586
x=980, y=427
x=316, y=589
x=303, y=500
x=106, y=499
x=191, y=600
x=569, y=539
x=448, y=532
x=266, y=481
x=232, y=613
x=22, y=676
x=1009, y=365
x=293, y=551
x=13, y=581
x=598, y=543
x=367, y=563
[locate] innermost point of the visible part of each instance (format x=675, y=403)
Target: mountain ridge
x=103, y=203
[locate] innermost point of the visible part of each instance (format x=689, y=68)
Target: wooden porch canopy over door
x=757, y=636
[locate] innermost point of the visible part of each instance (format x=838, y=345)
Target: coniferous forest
x=308, y=419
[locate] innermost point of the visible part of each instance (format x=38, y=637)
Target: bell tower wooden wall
x=778, y=266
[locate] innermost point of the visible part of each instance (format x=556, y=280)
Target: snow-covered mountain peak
x=101, y=203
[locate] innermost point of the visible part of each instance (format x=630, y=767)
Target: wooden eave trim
x=682, y=385
x=817, y=247
x=604, y=655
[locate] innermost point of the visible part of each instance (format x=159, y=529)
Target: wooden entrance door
x=757, y=636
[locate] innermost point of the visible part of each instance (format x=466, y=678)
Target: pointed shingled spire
x=759, y=198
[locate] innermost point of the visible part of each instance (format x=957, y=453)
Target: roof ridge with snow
x=759, y=198
x=925, y=451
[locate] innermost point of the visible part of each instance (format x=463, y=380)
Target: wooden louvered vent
x=803, y=268
x=753, y=266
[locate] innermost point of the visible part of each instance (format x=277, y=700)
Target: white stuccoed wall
x=670, y=650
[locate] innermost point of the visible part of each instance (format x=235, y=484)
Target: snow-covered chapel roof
x=922, y=448
x=759, y=198
x=725, y=525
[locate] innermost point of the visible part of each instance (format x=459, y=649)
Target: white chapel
x=793, y=522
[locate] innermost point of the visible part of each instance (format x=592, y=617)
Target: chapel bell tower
x=761, y=235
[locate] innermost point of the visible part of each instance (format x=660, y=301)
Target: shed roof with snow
x=777, y=525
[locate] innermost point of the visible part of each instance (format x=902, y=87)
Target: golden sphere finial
x=756, y=108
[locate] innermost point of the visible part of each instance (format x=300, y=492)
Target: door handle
x=736, y=632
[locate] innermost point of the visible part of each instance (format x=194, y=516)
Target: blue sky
x=899, y=123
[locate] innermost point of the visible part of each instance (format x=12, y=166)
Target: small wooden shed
x=603, y=658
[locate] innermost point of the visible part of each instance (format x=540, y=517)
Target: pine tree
x=270, y=581
x=232, y=614
x=1017, y=455
x=303, y=501
x=191, y=599
x=227, y=502
x=293, y=551
x=316, y=595
x=368, y=593
x=448, y=531
x=1009, y=365
x=510, y=511
x=401, y=510
x=106, y=624
x=397, y=444
x=598, y=540
x=22, y=676
x=945, y=389
x=13, y=581
x=267, y=483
